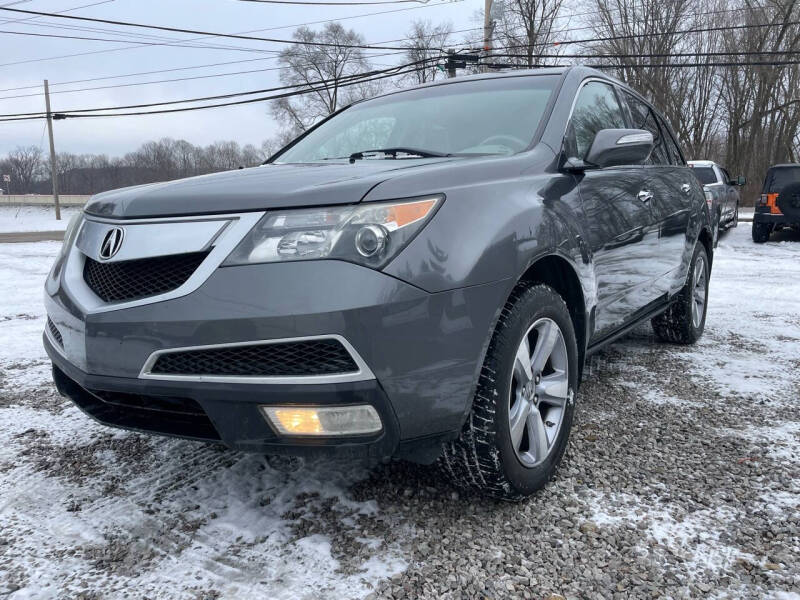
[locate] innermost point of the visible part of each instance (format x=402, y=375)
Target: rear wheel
x=521, y=415
x=761, y=232
x=684, y=321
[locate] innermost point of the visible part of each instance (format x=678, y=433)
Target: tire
x=684, y=321
x=761, y=232
x=735, y=221
x=485, y=457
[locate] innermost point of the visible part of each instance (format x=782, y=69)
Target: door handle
x=645, y=195
x=686, y=188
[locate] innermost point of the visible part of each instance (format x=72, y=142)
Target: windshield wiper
x=393, y=152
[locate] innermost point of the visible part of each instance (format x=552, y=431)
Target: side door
x=673, y=186
x=621, y=232
x=730, y=195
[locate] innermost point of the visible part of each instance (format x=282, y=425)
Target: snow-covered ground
x=679, y=472
x=15, y=219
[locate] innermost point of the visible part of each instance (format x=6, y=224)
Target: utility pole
x=451, y=66
x=53, y=165
x=488, y=31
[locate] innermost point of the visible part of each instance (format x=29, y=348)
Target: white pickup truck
x=722, y=193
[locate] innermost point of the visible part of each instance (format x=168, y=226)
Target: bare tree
x=761, y=104
x=25, y=164
x=425, y=44
x=526, y=30
x=306, y=64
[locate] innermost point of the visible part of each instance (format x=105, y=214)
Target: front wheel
x=761, y=232
x=735, y=221
x=517, y=429
x=684, y=321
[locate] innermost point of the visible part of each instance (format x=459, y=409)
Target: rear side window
x=705, y=175
x=645, y=118
x=777, y=179
x=596, y=108
x=674, y=151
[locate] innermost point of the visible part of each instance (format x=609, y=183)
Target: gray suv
x=420, y=275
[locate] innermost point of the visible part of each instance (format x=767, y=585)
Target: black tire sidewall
x=536, y=304
x=761, y=232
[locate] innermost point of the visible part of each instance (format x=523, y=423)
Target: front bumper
x=226, y=413
x=423, y=351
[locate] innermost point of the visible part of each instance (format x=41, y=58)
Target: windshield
x=490, y=116
x=777, y=179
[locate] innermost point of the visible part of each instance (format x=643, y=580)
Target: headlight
x=370, y=234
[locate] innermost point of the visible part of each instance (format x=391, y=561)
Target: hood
x=257, y=188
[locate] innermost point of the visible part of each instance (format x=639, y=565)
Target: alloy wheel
x=699, y=291
x=539, y=392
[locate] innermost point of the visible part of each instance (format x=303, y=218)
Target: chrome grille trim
x=230, y=230
x=364, y=373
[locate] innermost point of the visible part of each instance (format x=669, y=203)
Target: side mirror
x=741, y=180
x=612, y=147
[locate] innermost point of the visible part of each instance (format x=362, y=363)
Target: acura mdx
x=420, y=275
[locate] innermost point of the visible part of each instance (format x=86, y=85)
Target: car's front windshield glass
x=780, y=178
x=705, y=175
x=489, y=116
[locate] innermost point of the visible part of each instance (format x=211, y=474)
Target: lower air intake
x=282, y=359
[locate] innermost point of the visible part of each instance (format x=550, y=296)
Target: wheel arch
x=707, y=239
x=557, y=272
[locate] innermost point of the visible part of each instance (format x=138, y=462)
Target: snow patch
x=14, y=219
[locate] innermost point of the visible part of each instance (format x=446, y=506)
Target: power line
x=331, y=3
x=204, y=33
x=178, y=79
x=232, y=62
x=386, y=73
x=654, y=34
x=657, y=65
x=117, y=41
x=58, y=11
x=145, y=37
x=355, y=76
x=428, y=5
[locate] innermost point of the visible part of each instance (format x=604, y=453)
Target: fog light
x=323, y=420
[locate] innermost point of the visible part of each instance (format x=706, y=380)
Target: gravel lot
x=680, y=481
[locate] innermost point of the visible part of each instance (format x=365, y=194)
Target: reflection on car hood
x=257, y=188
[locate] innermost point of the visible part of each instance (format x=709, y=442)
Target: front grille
x=283, y=359
x=140, y=278
x=54, y=332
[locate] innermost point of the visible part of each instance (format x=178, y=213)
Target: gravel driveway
x=680, y=481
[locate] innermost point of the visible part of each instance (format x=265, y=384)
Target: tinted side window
x=672, y=145
x=644, y=118
x=596, y=108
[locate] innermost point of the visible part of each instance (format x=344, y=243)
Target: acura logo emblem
x=112, y=242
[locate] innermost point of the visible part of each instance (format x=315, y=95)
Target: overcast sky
x=246, y=124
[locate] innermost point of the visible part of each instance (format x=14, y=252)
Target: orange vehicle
x=778, y=206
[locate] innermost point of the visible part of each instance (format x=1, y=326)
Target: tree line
x=153, y=161
x=706, y=64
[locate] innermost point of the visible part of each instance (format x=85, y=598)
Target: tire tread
x=473, y=460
